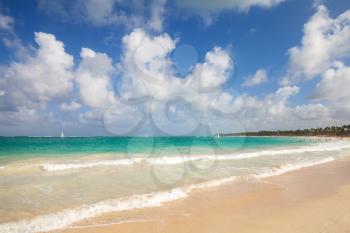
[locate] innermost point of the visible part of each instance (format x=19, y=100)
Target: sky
x=172, y=67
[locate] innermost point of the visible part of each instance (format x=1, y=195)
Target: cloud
x=216, y=6
x=6, y=22
x=39, y=78
x=148, y=77
x=312, y=112
x=214, y=72
x=146, y=66
x=148, y=71
x=93, y=78
x=156, y=20
x=149, y=15
x=143, y=94
x=323, y=51
x=332, y=89
x=207, y=9
x=275, y=105
x=334, y=84
x=9, y=37
x=70, y=106
x=97, y=12
x=131, y=14
x=259, y=77
x=275, y=111
x=325, y=41
x=24, y=116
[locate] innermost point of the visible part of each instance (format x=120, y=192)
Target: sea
x=52, y=183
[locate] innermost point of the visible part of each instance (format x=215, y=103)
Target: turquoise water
x=46, y=146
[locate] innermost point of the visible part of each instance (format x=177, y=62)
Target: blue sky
x=200, y=67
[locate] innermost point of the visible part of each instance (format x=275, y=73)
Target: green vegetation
x=342, y=131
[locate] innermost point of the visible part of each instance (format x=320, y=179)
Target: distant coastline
x=330, y=131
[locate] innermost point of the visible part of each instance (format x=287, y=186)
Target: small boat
x=62, y=134
x=217, y=135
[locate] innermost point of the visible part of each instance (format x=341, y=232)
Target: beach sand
x=315, y=199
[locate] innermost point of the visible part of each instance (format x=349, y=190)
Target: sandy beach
x=315, y=199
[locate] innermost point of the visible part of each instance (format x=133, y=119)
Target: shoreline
x=127, y=213
x=303, y=199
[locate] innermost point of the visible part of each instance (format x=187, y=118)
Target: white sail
x=62, y=134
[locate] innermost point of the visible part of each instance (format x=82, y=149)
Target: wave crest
x=174, y=160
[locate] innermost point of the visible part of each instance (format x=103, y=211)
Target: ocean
x=50, y=183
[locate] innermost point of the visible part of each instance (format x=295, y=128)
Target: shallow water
x=51, y=183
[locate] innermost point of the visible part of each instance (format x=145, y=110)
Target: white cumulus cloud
x=325, y=41
x=44, y=76
x=259, y=77
x=93, y=77
x=334, y=84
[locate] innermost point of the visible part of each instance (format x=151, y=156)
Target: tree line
x=341, y=131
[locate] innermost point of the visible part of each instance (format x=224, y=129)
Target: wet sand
x=315, y=199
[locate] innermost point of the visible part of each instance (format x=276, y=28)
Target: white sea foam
x=211, y=183
x=292, y=167
x=67, y=166
x=263, y=174
x=66, y=218
x=173, y=160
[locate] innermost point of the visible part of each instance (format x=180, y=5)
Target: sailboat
x=62, y=134
x=217, y=135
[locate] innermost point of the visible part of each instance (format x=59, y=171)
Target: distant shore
x=285, y=136
x=330, y=131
